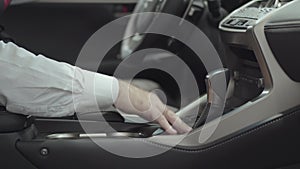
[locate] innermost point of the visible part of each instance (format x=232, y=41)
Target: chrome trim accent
x=62, y=136
x=93, y=135
x=237, y=10
x=228, y=17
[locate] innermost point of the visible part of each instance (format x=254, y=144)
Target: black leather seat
x=10, y=122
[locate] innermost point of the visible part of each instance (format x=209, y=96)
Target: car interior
x=257, y=42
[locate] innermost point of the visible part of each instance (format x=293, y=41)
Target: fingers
x=170, y=121
x=176, y=122
x=163, y=122
x=133, y=100
x=172, y=124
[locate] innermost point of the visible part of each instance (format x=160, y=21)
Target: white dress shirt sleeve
x=35, y=85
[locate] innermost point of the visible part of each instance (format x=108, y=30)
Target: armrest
x=10, y=122
x=109, y=116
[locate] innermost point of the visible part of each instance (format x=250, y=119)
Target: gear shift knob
x=215, y=90
x=216, y=85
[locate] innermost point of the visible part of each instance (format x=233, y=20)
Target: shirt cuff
x=100, y=91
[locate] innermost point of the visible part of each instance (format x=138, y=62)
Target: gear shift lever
x=216, y=96
x=217, y=83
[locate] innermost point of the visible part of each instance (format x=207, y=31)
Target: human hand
x=133, y=100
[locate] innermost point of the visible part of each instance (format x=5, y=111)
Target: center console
x=250, y=76
x=259, y=89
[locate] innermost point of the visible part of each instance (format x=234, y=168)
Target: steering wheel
x=140, y=24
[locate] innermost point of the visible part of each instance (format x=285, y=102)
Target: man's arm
x=36, y=85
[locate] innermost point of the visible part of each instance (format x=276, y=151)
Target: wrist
x=131, y=99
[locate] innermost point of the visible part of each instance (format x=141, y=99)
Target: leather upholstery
x=10, y=122
x=283, y=35
x=272, y=144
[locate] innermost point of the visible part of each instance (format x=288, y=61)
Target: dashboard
x=250, y=14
